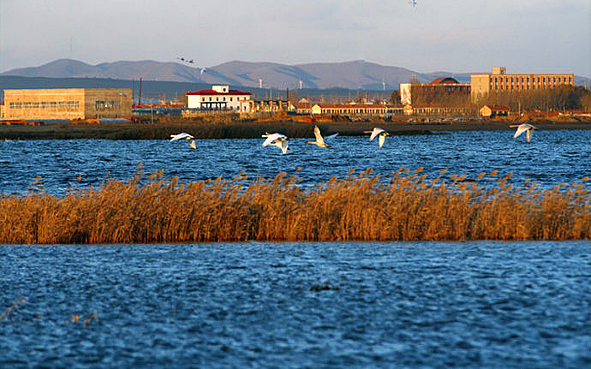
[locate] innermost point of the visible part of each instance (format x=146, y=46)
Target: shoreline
x=254, y=129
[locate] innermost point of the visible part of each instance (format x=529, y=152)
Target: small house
x=491, y=111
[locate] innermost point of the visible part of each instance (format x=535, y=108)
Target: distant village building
x=220, y=98
x=500, y=81
x=441, y=91
x=445, y=91
x=350, y=109
x=67, y=103
x=346, y=109
x=436, y=110
x=443, y=96
x=310, y=100
x=300, y=108
x=491, y=111
x=270, y=105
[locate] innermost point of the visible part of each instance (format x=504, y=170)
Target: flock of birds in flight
x=281, y=141
x=191, y=61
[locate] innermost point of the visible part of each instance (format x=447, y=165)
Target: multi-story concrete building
x=442, y=92
x=500, y=81
x=220, y=98
x=67, y=103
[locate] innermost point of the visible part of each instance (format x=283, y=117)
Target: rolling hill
x=355, y=75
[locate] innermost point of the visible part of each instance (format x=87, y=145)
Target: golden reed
x=359, y=207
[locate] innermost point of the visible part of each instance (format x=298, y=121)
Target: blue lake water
x=553, y=157
x=473, y=304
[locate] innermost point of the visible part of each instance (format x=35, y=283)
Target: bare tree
x=395, y=97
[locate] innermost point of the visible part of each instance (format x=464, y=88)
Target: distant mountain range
x=353, y=75
x=172, y=78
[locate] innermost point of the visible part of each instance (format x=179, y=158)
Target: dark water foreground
x=481, y=304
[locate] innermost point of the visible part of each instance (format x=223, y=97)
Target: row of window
x=518, y=86
x=429, y=110
x=353, y=111
x=107, y=105
x=217, y=106
x=445, y=88
x=539, y=79
x=223, y=98
x=221, y=108
x=45, y=105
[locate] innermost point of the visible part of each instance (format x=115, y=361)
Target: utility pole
x=140, y=97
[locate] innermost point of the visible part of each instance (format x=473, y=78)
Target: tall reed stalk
x=358, y=207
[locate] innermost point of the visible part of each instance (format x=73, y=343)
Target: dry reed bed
x=359, y=207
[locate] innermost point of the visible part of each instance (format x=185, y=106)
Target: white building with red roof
x=220, y=98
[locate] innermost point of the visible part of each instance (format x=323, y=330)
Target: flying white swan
x=180, y=136
x=186, y=136
x=525, y=127
x=380, y=133
x=276, y=139
x=319, y=140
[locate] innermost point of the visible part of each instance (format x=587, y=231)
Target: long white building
x=220, y=98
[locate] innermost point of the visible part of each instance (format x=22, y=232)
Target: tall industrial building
x=500, y=81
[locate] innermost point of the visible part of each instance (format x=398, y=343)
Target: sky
x=525, y=36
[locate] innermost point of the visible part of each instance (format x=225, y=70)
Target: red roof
x=498, y=107
x=212, y=92
x=445, y=80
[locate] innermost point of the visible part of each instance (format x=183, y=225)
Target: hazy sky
x=537, y=36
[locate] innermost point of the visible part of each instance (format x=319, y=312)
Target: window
x=99, y=105
x=51, y=104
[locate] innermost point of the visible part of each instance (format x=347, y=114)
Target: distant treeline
x=559, y=98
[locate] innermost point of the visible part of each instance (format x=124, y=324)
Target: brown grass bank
x=359, y=207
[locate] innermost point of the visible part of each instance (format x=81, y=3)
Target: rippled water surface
x=551, y=158
x=477, y=304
